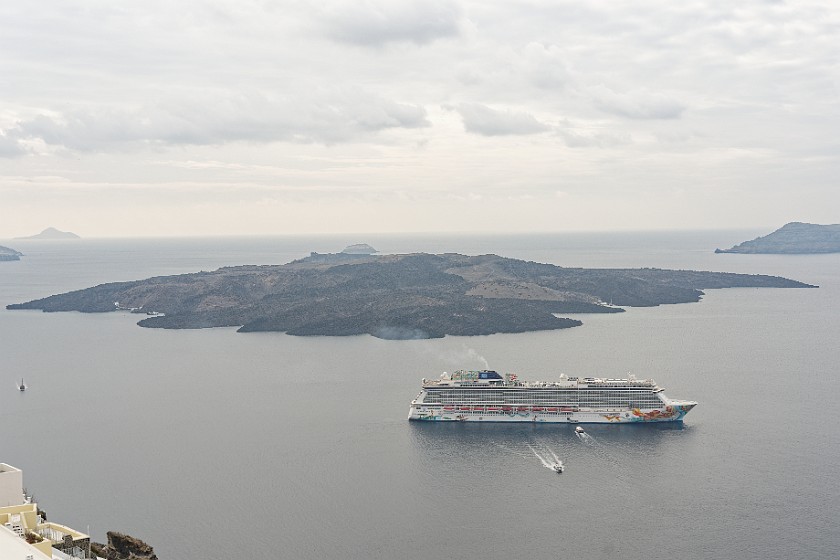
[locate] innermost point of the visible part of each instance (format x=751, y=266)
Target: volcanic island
x=398, y=296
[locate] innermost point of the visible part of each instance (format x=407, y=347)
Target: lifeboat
x=448, y=407
x=464, y=408
x=551, y=409
x=479, y=408
x=506, y=408
x=522, y=409
x=537, y=408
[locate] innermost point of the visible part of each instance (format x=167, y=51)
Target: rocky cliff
x=123, y=547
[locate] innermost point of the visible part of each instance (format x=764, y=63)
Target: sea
x=210, y=444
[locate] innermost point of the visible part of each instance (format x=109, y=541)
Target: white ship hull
x=670, y=413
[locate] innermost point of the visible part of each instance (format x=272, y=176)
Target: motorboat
x=558, y=467
x=579, y=430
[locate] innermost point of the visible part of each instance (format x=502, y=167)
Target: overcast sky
x=260, y=117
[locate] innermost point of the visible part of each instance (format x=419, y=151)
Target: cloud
x=575, y=138
x=325, y=116
x=636, y=104
x=10, y=145
x=483, y=120
x=376, y=23
x=546, y=66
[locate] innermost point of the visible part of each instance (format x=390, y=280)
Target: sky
x=242, y=117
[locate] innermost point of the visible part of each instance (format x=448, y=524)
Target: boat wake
x=551, y=462
x=547, y=457
x=585, y=438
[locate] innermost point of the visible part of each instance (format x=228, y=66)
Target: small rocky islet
x=400, y=296
x=9, y=254
x=123, y=547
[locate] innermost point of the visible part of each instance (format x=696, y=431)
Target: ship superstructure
x=487, y=396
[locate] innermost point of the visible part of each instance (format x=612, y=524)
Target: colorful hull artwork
x=668, y=414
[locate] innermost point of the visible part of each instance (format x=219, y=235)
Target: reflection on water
x=456, y=445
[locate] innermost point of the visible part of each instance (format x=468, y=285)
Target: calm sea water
x=212, y=444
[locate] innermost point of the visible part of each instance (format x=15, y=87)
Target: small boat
x=579, y=430
x=558, y=467
x=22, y=385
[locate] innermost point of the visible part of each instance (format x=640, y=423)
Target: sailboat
x=22, y=385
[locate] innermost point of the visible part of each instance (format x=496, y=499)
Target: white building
x=21, y=522
x=11, y=486
x=13, y=547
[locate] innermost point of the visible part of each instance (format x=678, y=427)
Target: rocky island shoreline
x=395, y=296
x=9, y=254
x=795, y=238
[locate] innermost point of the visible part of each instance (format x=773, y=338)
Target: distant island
x=395, y=296
x=52, y=233
x=7, y=254
x=793, y=238
x=359, y=249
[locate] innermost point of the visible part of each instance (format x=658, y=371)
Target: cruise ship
x=486, y=396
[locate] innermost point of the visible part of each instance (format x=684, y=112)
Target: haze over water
x=213, y=444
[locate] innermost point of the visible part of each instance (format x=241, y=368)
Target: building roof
x=13, y=547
